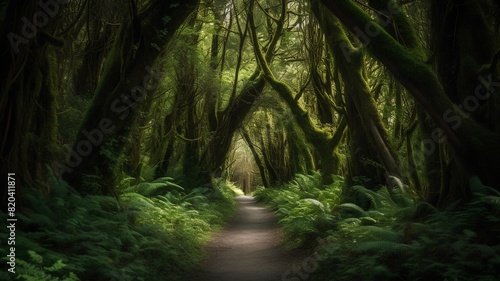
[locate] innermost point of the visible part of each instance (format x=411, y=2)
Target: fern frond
x=382, y=246
x=316, y=203
x=352, y=209
x=374, y=197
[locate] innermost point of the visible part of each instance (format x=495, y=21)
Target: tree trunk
x=256, y=157
x=125, y=82
x=229, y=120
x=99, y=33
x=28, y=101
x=458, y=65
x=370, y=149
x=320, y=139
x=475, y=143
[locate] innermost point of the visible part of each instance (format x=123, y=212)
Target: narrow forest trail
x=247, y=249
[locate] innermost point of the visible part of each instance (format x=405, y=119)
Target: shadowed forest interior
x=128, y=127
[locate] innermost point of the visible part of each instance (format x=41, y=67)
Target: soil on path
x=248, y=248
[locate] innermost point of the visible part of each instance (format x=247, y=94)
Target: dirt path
x=247, y=249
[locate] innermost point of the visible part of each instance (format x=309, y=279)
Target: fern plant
x=455, y=244
x=154, y=229
x=36, y=271
x=381, y=243
x=306, y=211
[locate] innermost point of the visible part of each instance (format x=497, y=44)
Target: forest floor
x=248, y=248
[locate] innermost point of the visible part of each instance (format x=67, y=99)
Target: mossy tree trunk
x=188, y=91
x=320, y=73
x=162, y=148
x=28, y=101
x=299, y=151
x=94, y=162
x=371, y=154
x=465, y=43
x=320, y=139
x=98, y=44
x=227, y=121
x=474, y=142
x=277, y=144
x=273, y=149
x=257, y=158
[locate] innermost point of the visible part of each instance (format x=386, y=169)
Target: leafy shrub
x=305, y=210
x=154, y=229
x=460, y=243
x=36, y=271
x=455, y=244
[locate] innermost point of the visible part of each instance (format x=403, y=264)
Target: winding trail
x=247, y=249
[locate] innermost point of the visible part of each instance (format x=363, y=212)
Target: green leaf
x=154, y=45
x=167, y=19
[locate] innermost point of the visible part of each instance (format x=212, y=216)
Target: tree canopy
x=359, y=98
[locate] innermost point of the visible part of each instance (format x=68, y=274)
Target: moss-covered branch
x=469, y=138
x=408, y=68
x=318, y=138
x=363, y=118
x=114, y=110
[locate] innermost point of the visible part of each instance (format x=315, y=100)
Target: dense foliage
x=154, y=229
x=388, y=241
x=104, y=103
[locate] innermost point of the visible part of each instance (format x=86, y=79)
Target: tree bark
x=371, y=151
x=229, y=120
x=125, y=81
x=476, y=147
x=320, y=139
x=28, y=100
x=258, y=161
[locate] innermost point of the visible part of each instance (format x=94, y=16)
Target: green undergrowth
x=398, y=238
x=304, y=210
x=155, y=230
